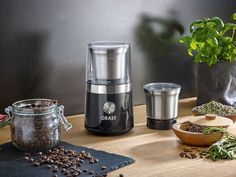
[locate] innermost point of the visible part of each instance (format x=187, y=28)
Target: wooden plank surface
x=156, y=152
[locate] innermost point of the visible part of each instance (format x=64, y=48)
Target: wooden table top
x=156, y=151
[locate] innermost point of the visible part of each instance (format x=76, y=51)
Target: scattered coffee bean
x=66, y=172
x=103, y=175
x=79, y=171
x=79, y=165
x=26, y=158
x=91, y=162
x=51, y=161
x=65, y=161
x=65, y=165
x=85, y=170
x=90, y=172
x=36, y=163
x=54, y=170
x=103, y=167
x=75, y=174
x=80, y=161
x=27, y=154
x=121, y=175
x=44, y=157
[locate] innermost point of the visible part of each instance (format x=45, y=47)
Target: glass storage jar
x=35, y=123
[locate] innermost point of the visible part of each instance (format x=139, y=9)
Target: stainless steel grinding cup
x=109, y=62
x=162, y=104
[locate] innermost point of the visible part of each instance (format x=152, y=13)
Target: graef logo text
x=108, y=117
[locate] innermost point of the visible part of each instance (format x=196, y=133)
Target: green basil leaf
x=197, y=24
x=200, y=34
x=234, y=27
x=190, y=51
x=234, y=43
x=198, y=58
x=185, y=39
x=193, y=44
x=215, y=22
x=233, y=17
x=227, y=39
x=201, y=45
x=212, y=60
x=212, y=32
x=218, y=50
x=213, y=42
x=227, y=27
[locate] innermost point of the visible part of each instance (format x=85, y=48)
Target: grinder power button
x=109, y=107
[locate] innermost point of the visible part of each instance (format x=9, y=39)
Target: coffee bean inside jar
x=35, y=124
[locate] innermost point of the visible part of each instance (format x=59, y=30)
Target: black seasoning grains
x=191, y=153
x=187, y=126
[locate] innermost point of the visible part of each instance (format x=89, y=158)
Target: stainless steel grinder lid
x=108, y=62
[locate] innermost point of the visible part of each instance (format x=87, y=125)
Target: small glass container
x=35, y=123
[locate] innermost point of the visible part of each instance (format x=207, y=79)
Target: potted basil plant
x=212, y=43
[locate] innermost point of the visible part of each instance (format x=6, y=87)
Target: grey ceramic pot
x=217, y=83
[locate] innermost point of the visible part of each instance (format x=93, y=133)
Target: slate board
x=13, y=165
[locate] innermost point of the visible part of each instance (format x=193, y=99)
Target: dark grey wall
x=43, y=44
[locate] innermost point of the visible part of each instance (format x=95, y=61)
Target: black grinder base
x=107, y=133
x=99, y=121
x=160, y=124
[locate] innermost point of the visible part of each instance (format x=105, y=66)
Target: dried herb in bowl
x=223, y=149
x=217, y=108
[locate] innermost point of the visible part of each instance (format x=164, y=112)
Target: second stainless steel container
x=162, y=104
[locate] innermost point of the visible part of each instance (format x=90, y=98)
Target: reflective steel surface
x=162, y=100
x=109, y=89
x=108, y=62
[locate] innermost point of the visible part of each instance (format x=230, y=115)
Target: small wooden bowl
x=196, y=139
x=230, y=116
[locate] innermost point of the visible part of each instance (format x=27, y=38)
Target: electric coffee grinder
x=109, y=109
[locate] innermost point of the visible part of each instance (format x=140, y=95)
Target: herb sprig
x=210, y=42
x=223, y=149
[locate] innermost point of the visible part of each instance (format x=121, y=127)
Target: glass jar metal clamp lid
x=35, y=123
